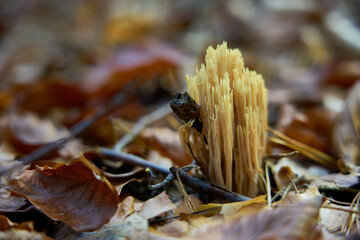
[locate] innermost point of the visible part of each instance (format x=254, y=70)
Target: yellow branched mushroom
x=233, y=110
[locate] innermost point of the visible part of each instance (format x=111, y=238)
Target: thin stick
x=159, y=113
x=131, y=159
x=341, y=209
x=281, y=155
x=268, y=185
x=207, y=188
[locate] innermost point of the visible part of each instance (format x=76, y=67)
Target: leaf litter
x=82, y=136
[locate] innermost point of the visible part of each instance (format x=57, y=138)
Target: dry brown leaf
x=346, y=134
x=75, y=193
x=125, y=209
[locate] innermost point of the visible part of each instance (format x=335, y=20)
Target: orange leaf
x=75, y=193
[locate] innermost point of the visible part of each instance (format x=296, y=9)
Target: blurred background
x=59, y=58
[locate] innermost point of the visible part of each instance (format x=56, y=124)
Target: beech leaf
x=75, y=193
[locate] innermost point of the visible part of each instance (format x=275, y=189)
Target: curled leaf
x=75, y=193
x=346, y=134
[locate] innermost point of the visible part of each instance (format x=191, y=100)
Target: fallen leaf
x=332, y=219
x=125, y=209
x=75, y=193
x=311, y=194
x=27, y=131
x=176, y=228
x=290, y=222
x=312, y=126
x=9, y=203
x=156, y=206
x=236, y=208
x=346, y=134
x=135, y=227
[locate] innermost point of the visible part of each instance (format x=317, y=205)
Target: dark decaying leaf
x=346, y=134
x=75, y=193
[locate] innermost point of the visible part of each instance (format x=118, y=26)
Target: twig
x=146, y=120
x=310, y=152
x=207, y=188
x=281, y=155
x=339, y=191
x=170, y=178
x=283, y=191
x=341, y=209
x=268, y=185
x=131, y=159
x=195, y=213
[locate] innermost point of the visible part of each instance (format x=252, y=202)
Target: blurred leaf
x=5, y=100
x=145, y=61
x=290, y=222
x=75, y=193
x=346, y=134
x=135, y=227
x=45, y=95
x=333, y=219
x=27, y=132
x=312, y=126
x=167, y=143
x=175, y=228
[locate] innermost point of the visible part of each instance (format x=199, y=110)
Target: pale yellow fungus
x=233, y=109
